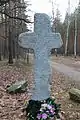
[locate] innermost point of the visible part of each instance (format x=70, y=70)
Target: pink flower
x=51, y=111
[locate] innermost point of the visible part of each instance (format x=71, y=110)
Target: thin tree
x=75, y=39
x=68, y=24
x=76, y=32
x=6, y=42
x=2, y=36
x=10, y=38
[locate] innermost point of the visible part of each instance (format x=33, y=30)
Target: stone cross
x=42, y=40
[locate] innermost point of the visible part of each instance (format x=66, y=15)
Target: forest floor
x=11, y=104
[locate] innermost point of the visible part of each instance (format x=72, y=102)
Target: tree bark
x=10, y=48
x=5, y=43
x=0, y=50
x=10, y=40
x=27, y=56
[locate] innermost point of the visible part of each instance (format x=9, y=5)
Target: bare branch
x=2, y=2
x=27, y=21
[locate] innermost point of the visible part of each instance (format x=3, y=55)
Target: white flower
x=49, y=106
x=44, y=105
x=41, y=109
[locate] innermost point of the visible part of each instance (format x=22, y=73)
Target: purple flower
x=44, y=115
x=53, y=107
x=52, y=112
x=39, y=116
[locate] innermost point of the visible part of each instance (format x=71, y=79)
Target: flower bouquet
x=42, y=110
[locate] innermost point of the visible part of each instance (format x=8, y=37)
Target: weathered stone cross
x=42, y=40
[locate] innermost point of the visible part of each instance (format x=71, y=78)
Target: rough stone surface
x=42, y=40
x=75, y=94
x=18, y=86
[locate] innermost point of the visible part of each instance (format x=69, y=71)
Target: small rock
x=18, y=86
x=75, y=94
x=61, y=116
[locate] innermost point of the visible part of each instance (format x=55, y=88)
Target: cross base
x=40, y=110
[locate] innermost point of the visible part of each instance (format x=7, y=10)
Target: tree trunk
x=13, y=49
x=75, y=39
x=10, y=49
x=5, y=43
x=0, y=49
x=27, y=56
x=1, y=42
x=10, y=40
x=0, y=57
